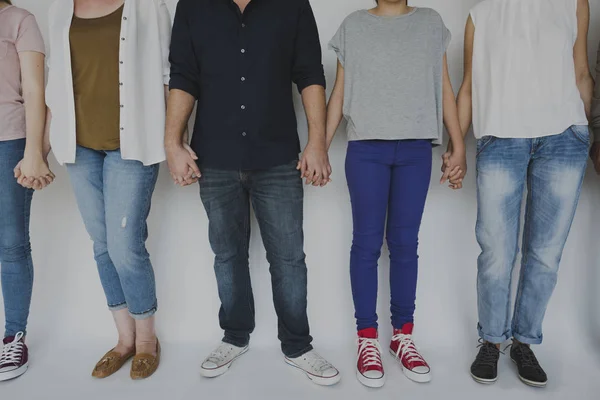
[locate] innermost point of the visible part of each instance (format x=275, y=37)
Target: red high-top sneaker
x=403, y=349
x=369, y=368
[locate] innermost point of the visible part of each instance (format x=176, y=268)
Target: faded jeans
x=553, y=168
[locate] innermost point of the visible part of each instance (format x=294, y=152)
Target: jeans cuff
x=494, y=339
x=117, y=307
x=234, y=342
x=12, y=334
x=527, y=340
x=143, y=315
x=299, y=353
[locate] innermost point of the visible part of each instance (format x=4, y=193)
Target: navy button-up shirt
x=240, y=68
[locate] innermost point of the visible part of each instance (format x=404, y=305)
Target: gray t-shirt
x=393, y=74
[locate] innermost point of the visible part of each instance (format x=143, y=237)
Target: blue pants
x=114, y=197
x=277, y=197
x=386, y=178
x=15, y=250
x=552, y=167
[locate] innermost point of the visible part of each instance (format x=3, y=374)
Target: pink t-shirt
x=19, y=32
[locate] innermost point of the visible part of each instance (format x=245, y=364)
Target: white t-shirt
x=524, y=83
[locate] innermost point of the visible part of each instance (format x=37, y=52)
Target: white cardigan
x=143, y=72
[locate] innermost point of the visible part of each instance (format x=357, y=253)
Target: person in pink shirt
x=23, y=168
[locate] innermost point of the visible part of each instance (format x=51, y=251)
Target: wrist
x=33, y=152
x=173, y=145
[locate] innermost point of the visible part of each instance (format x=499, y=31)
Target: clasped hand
x=33, y=172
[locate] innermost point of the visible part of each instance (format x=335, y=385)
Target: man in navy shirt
x=238, y=60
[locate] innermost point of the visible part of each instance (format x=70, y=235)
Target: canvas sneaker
x=530, y=371
x=220, y=360
x=316, y=368
x=14, y=358
x=404, y=350
x=369, y=368
x=485, y=367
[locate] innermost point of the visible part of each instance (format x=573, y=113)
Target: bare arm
x=465, y=101
x=33, y=170
x=32, y=73
x=335, y=107
x=585, y=82
x=315, y=162
x=182, y=164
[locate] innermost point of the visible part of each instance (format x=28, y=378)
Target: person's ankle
x=495, y=344
x=146, y=345
x=125, y=346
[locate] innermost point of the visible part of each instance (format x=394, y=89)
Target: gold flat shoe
x=110, y=363
x=144, y=365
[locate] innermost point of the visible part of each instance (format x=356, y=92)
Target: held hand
x=33, y=172
x=595, y=156
x=182, y=165
x=314, y=165
x=454, y=168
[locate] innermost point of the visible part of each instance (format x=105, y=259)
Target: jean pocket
x=581, y=133
x=483, y=143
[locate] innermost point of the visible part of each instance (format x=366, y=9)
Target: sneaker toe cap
x=373, y=374
x=422, y=369
x=209, y=365
x=330, y=373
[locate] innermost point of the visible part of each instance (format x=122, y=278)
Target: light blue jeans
x=552, y=167
x=15, y=250
x=114, y=198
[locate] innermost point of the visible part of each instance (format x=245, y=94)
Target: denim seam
x=485, y=145
x=146, y=314
x=574, y=133
x=525, y=255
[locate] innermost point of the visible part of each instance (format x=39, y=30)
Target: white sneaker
x=219, y=361
x=318, y=369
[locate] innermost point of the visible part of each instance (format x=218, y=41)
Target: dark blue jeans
x=277, y=197
x=15, y=249
x=386, y=178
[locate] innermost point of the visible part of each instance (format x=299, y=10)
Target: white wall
x=68, y=298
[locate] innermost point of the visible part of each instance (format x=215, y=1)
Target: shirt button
x=243, y=107
x=120, y=83
x=123, y=38
x=122, y=129
x=243, y=133
x=124, y=18
x=243, y=50
x=243, y=79
x=120, y=62
x=243, y=25
x=122, y=106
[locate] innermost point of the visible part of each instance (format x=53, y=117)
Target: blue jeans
x=15, y=249
x=114, y=198
x=277, y=197
x=552, y=167
x=388, y=181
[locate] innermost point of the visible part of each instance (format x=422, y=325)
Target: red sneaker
x=14, y=357
x=403, y=349
x=369, y=368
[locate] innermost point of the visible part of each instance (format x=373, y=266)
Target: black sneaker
x=530, y=371
x=485, y=367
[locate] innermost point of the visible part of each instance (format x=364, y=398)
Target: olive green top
x=95, y=64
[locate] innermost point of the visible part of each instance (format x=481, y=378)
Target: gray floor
x=62, y=372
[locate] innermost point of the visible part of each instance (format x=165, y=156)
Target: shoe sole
x=316, y=379
x=7, y=376
x=413, y=376
x=528, y=382
x=213, y=373
x=484, y=381
x=370, y=382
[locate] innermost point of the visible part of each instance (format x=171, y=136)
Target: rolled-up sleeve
x=164, y=28
x=595, y=122
x=185, y=74
x=307, y=67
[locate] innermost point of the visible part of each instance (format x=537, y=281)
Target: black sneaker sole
x=483, y=381
x=528, y=382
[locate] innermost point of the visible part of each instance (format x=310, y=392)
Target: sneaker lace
x=407, y=349
x=13, y=351
x=317, y=362
x=488, y=353
x=526, y=357
x=220, y=353
x=369, y=351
